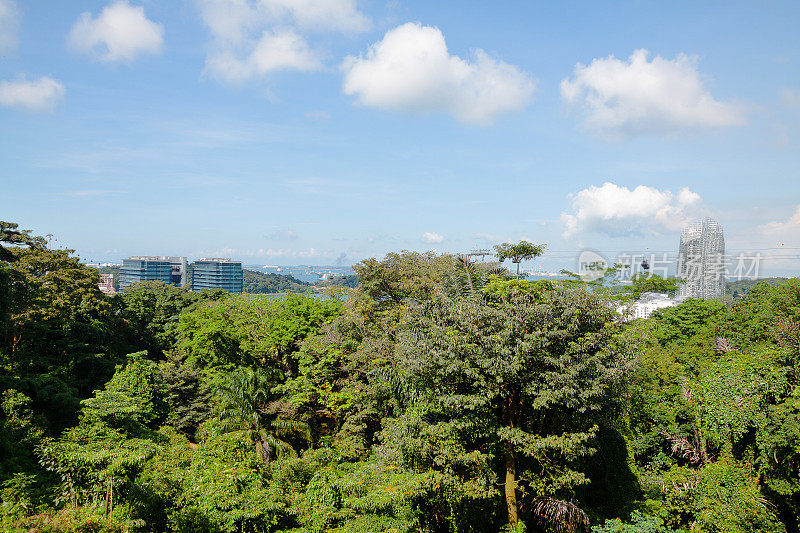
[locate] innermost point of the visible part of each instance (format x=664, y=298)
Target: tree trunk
x=511, y=485
x=108, y=496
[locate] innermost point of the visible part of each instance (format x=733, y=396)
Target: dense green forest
x=436, y=396
x=743, y=286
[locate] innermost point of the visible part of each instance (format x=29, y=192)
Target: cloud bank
x=640, y=96
x=120, y=32
x=411, y=70
x=253, y=38
x=619, y=211
x=38, y=95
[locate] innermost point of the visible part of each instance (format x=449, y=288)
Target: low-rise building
x=107, y=284
x=646, y=304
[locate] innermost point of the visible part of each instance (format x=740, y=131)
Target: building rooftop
x=154, y=258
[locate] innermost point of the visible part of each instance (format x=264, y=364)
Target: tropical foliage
x=439, y=395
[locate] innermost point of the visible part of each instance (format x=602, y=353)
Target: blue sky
x=317, y=131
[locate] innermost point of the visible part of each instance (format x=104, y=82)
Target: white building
x=646, y=304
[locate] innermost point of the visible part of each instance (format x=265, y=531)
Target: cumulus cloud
x=252, y=38
x=617, y=211
x=9, y=25
x=38, y=95
x=283, y=50
x=412, y=70
x=119, y=33
x=432, y=238
x=641, y=96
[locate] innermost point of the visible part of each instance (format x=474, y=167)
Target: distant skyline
x=328, y=131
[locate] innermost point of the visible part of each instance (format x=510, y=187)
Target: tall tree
x=10, y=234
x=522, y=251
x=528, y=369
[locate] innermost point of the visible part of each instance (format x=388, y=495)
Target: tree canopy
x=438, y=395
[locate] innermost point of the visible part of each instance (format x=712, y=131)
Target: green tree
x=522, y=251
x=528, y=369
x=99, y=459
x=10, y=234
x=186, y=394
x=152, y=310
x=248, y=407
x=648, y=282
x=251, y=331
x=639, y=523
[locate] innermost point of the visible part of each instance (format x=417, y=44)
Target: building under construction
x=701, y=260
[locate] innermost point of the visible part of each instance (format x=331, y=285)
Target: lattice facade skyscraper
x=701, y=260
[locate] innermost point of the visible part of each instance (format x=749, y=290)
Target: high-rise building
x=217, y=273
x=701, y=260
x=171, y=270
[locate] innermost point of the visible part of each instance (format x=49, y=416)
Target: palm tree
x=245, y=397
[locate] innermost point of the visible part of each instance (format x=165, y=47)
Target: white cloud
x=789, y=228
x=39, y=95
x=119, y=33
x=284, y=50
x=251, y=38
x=638, y=96
x=9, y=25
x=432, y=238
x=616, y=210
x=412, y=70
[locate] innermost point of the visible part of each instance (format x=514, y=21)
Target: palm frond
x=559, y=516
x=682, y=448
x=723, y=345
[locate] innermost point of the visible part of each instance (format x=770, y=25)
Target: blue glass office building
x=217, y=273
x=171, y=270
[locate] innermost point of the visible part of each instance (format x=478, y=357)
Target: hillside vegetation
x=255, y=282
x=437, y=396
